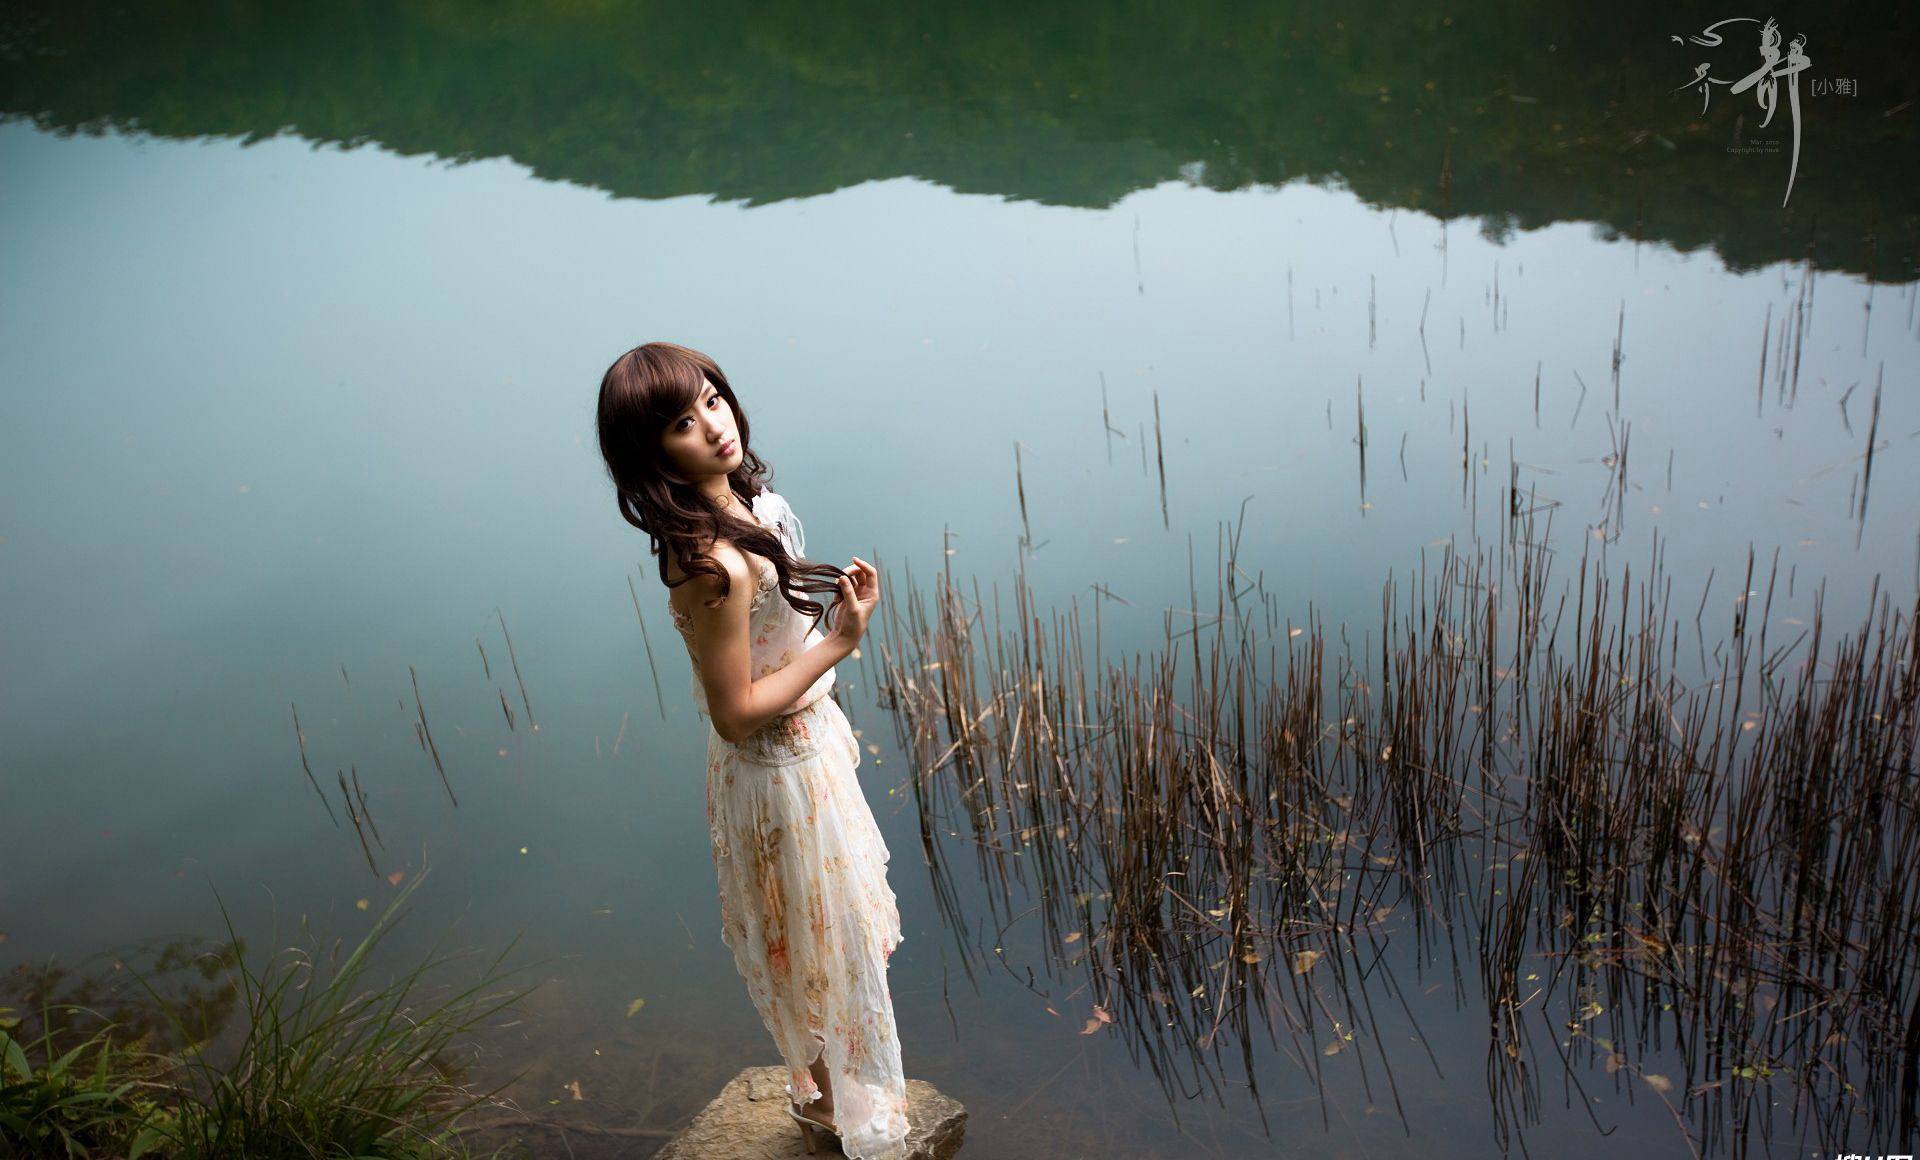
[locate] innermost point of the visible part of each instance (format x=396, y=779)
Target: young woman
x=804, y=900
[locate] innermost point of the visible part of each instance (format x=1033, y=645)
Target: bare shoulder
x=702, y=590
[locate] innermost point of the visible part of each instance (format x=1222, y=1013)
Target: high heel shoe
x=808, y=1126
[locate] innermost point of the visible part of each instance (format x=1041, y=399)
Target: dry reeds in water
x=1714, y=869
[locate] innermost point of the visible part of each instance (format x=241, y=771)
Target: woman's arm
x=737, y=703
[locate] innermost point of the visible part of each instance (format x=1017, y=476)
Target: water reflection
x=1516, y=119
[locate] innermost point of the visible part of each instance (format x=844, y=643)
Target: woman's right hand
x=859, y=593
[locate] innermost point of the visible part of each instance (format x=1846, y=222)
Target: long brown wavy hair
x=644, y=390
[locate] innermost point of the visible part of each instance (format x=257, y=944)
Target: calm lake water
x=302, y=320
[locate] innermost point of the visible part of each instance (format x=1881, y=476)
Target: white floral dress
x=804, y=901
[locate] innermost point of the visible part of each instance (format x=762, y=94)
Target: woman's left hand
x=859, y=594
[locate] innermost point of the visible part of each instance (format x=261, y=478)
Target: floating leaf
x=1659, y=1083
x=574, y=1087
x=633, y=1008
x=360, y=905
x=1072, y=936
x=1303, y=961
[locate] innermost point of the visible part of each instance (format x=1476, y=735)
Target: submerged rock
x=748, y=1120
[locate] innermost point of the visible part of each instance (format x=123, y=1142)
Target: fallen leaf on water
x=574, y=1087
x=1293, y=632
x=1303, y=961
x=1072, y=936
x=1250, y=957
x=1334, y=1048
x=1659, y=1083
x=633, y=1008
x=396, y=878
x=360, y=905
x=1092, y=1026
x=1102, y=1014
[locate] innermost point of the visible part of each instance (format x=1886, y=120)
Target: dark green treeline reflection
x=1512, y=114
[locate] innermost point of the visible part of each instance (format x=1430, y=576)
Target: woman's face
x=703, y=440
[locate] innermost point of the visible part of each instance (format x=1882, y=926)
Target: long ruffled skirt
x=805, y=906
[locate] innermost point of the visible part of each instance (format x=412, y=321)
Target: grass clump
x=333, y=1066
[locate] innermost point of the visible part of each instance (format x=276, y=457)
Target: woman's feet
x=820, y=1112
x=811, y=1119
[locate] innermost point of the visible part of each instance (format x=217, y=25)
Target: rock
x=748, y=1120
